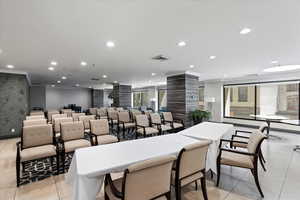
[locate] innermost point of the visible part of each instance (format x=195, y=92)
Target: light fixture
x=115, y=81
x=77, y=85
x=1, y=51
x=58, y=81
x=104, y=76
x=212, y=57
x=83, y=63
x=181, y=43
x=90, y=86
x=153, y=74
x=54, y=63
x=10, y=66
x=282, y=68
x=192, y=66
x=274, y=62
x=245, y=31
x=52, y=85
x=51, y=68
x=64, y=78
x=110, y=44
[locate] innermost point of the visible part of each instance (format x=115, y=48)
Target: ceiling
x=33, y=33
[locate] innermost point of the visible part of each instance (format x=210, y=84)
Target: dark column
x=182, y=96
x=122, y=95
x=97, y=100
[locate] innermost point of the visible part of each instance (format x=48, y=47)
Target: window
x=162, y=100
x=201, y=98
x=276, y=98
x=144, y=99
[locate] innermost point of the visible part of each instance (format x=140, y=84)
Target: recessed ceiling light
x=51, y=68
x=52, y=85
x=64, y=78
x=77, y=85
x=153, y=74
x=212, y=57
x=104, y=76
x=10, y=66
x=90, y=86
x=1, y=51
x=83, y=63
x=245, y=31
x=274, y=62
x=282, y=68
x=181, y=43
x=192, y=66
x=110, y=44
x=115, y=81
x=54, y=63
x=58, y=81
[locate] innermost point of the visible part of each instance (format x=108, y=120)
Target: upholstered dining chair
x=34, y=113
x=57, y=122
x=112, y=118
x=67, y=111
x=190, y=167
x=72, y=137
x=143, y=127
x=36, y=144
x=57, y=116
x=243, y=159
x=125, y=122
x=175, y=124
x=156, y=121
x=50, y=113
x=102, y=113
x=76, y=116
x=34, y=117
x=119, y=109
x=100, y=132
x=93, y=111
x=134, y=112
x=147, y=180
x=86, y=121
x=34, y=122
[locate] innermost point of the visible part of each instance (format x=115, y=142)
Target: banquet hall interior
x=149, y=100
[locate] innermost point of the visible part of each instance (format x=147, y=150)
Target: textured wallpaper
x=14, y=98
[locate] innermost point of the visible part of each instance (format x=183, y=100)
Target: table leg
x=268, y=131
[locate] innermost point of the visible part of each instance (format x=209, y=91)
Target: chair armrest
x=113, y=188
x=238, y=152
x=239, y=136
x=240, y=131
x=157, y=125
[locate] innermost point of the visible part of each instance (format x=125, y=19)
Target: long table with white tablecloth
x=89, y=165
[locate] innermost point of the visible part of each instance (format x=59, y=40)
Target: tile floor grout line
x=286, y=173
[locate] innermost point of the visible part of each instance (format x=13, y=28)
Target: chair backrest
x=72, y=130
x=119, y=109
x=50, y=113
x=99, y=127
x=148, y=179
x=58, y=121
x=75, y=116
x=155, y=118
x=102, y=112
x=109, y=109
x=34, y=122
x=192, y=159
x=93, y=111
x=37, y=135
x=113, y=115
x=142, y=120
x=58, y=116
x=135, y=113
x=124, y=116
x=167, y=116
x=35, y=117
x=67, y=111
x=263, y=126
x=34, y=113
x=86, y=120
x=255, y=140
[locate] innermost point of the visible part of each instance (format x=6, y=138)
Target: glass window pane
x=162, y=100
x=201, y=98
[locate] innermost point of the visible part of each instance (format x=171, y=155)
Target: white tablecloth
x=89, y=165
x=210, y=131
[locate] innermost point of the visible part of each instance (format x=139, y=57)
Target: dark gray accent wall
x=37, y=96
x=182, y=96
x=122, y=95
x=14, y=100
x=97, y=100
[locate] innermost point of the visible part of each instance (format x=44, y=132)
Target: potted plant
x=199, y=115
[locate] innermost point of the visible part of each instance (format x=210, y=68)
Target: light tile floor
x=280, y=182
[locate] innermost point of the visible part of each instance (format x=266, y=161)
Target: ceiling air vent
x=160, y=58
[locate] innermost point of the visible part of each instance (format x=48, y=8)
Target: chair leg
x=262, y=156
x=123, y=133
x=18, y=172
x=255, y=174
x=23, y=167
x=218, y=171
x=106, y=196
x=262, y=163
x=203, y=187
x=63, y=156
x=196, y=185
x=51, y=164
x=168, y=195
x=178, y=190
x=57, y=163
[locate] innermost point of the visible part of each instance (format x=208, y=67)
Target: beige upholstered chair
x=34, y=122
x=143, y=126
x=34, y=113
x=86, y=121
x=148, y=112
x=119, y=109
x=57, y=116
x=67, y=111
x=244, y=159
x=125, y=123
x=75, y=116
x=113, y=118
x=72, y=138
x=100, y=132
x=102, y=113
x=157, y=122
x=50, y=113
x=190, y=167
x=134, y=112
x=175, y=124
x=34, y=117
x=93, y=111
x=36, y=143
x=57, y=122
x=110, y=109
x=146, y=180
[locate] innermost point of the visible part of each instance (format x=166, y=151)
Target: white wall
x=37, y=96
x=57, y=98
x=214, y=90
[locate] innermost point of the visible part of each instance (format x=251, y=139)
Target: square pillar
x=122, y=95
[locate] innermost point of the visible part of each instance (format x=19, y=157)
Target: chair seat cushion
x=241, y=145
x=72, y=145
x=165, y=127
x=235, y=159
x=177, y=125
x=118, y=185
x=149, y=131
x=107, y=139
x=127, y=125
x=33, y=153
x=187, y=180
